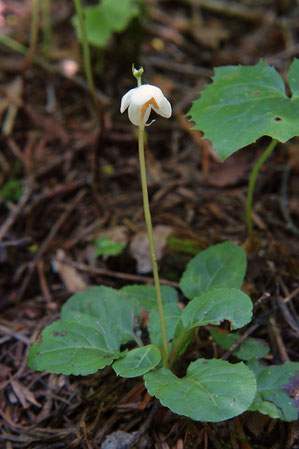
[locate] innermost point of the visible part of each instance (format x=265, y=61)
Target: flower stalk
x=148, y=221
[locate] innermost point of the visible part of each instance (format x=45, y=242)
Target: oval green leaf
x=138, y=361
x=218, y=305
x=67, y=347
x=276, y=390
x=212, y=390
x=106, y=305
x=146, y=295
x=222, y=265
x=247, y=102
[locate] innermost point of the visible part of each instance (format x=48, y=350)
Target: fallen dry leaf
x=140, y=247
x=71, y=277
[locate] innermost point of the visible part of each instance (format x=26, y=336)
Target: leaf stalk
x=252, y=182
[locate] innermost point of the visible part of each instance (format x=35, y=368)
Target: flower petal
x=145, y=92
x=146, y=115
x=125, y=101
x=164, y=108
x=135, y=114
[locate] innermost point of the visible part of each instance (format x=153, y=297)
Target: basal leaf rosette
x=244, y=103
x=212, y=390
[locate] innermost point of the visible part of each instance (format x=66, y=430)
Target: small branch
x=260, y=301
x=287, y=315
x=240, y=341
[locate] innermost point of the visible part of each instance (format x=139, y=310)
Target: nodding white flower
x=141, y=100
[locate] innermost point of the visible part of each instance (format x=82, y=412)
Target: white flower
x=141, y=100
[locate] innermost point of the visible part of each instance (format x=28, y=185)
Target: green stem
x=86, y=52
x=148, y=222
x=252, y=181
x=34, y=25
x=47, y=32
x=13, y=45
x=33, y=35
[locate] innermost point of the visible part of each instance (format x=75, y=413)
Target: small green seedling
x=246, y=103
x=104, y=246
x=96, y=325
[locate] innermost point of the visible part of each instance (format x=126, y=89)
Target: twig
x=233, y=9
x=260, y=301
x=287, y=315
x=49, y=238
x=240, y=340
x=187, y=69
x=117, y=274
x=291, y=295
x=278, y=339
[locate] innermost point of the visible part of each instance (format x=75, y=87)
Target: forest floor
x=69, y=174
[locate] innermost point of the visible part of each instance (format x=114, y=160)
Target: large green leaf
x=69, y=347
x=252, y=348
x=109, y=16
x=172, y=315
x=244, y=103
x=276, y=389
x=222, y=265
x=105, y=305
x=212, y=390
x=138, y=361
x=218, y=305
x=146, y=295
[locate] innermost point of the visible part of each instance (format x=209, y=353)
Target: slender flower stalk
x=252, y=181
x=148, y=221
x=140, y=101
x=86, y=51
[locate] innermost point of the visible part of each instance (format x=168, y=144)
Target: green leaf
x=217, y=305
x=276, y=387
x=118, y=14
x=146, y=295
x=106, y=305
x=102, y=20
x=252, y=348
x=105, y=246
x=244, y=103
x=69, y=347
x=138, y=361
x=222, y=265
x=293, y=79
x=172, y=315
x=183, y=245
x=212, y=390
